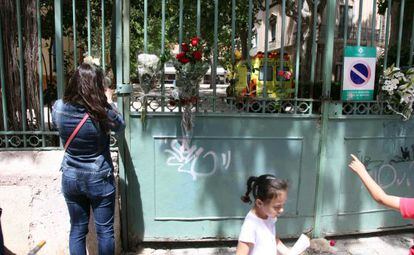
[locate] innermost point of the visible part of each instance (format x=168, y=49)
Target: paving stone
x=15, y=220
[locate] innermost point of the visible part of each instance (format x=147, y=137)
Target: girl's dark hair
x=86, y=87
x=264, y=187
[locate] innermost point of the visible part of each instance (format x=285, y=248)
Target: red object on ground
x=332, y=242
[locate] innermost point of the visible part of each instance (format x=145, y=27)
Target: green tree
x=189, y=26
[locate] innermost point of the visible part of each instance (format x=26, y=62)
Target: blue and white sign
x=359, y=73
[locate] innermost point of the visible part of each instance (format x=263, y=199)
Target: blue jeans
x=82, y=191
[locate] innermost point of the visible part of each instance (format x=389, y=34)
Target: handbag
x=75, y=132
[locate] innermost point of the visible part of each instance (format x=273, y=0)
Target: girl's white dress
x=261, y=233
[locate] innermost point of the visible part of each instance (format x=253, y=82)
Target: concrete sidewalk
x=389, y=243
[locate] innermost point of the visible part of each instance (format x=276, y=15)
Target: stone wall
x=33, y=206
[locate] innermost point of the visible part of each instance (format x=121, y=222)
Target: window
x=269, y=73
x=254, y=39
x=272, y=28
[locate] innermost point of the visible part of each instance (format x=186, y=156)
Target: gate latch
x=124, y=89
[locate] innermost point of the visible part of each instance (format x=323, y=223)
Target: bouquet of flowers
x=149, y=72
x=398, y=90
x=191, y=64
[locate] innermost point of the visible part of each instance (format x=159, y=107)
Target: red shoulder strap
x=75, y=132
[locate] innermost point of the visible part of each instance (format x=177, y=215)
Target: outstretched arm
x=243, y=248
x=377, y=193
x=281, y=247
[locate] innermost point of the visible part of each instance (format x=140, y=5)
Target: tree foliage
x=189, y=25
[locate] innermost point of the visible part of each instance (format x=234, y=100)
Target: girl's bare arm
x=243, y=248
x=281, y=247
x=377, y=193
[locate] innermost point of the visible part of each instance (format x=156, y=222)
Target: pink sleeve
x=407, y=207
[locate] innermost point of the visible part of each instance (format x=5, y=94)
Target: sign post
x=359, y=73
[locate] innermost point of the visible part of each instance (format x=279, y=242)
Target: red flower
x=287, y=75
x=180, y=55
x=280, y=72
x=195, y=41
x=184, y=60
x=197, y=55
x=184, y=47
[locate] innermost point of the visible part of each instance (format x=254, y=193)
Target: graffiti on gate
x=186, y=158
x=397, y=171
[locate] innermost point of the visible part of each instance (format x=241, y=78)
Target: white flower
x=387, y=82
x=148, y=60
x=406, y=98
x=91, y=60
x=410, y=90
x=390, y=70
x=399, y=75
x=395, y=82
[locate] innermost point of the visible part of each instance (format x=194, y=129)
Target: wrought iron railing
x=240, y=105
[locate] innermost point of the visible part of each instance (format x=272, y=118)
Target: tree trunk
x=395, y=20
x=12, y=92
x=244, y=44
x=11, y=71
x=31, y=58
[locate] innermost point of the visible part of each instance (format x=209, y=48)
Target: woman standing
x=84, y=119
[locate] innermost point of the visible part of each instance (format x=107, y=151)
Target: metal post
x=298, y=34
x=387, y=34
x=180, y=24
x=39, y=47
x=233, y=29
x=59, y=48
x=21, y=70
x=374, y=16
x=215, y=54
x=3, y=86
x=282, y=40
x=121, y=141
x=361, y=2
x=397, y=64
x=88, y=10
x=249, y=39
x=266, y=49
x=345, y=37
x=75, y=42
x=145, y=26
x=326, y=90
x=162, y=53
x=103, y=34
x=410, y=61
x=313, y=57
x=125, y=41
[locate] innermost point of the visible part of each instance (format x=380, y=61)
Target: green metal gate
x=172, y=192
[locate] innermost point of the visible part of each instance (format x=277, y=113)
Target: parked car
x=221, y=75
x=169, y=74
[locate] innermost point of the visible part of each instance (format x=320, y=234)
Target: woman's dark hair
x=86, y=87
x=264, y=187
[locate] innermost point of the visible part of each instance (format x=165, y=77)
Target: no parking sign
x=359, y=73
